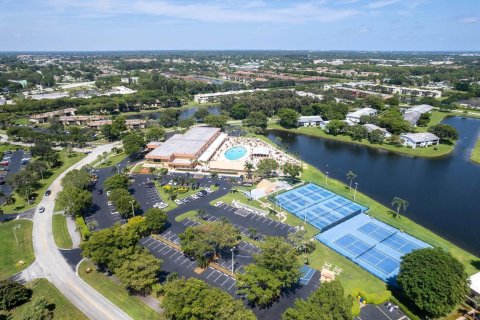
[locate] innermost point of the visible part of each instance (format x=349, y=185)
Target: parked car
x=177, y=201
x=48, y=192
x=41, y=209
x=109, y=192
x=110, y=203
x=194, y=196
x=100, y=191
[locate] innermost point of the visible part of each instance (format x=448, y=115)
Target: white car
x=109, y=192
x=110, y=203
x=177, y=201
x=194, y=196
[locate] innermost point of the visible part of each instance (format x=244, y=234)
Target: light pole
x=355, y=193
x=133, y=210
x=15, y=234
x=326, y=179
x=118, y=168
x=232, y=259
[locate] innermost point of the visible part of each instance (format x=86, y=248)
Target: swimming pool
x=235, y=153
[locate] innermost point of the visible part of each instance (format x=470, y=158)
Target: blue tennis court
x=372, y=244
x=307, y=274
x=318, y=206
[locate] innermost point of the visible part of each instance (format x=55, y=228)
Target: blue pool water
x=235, y=153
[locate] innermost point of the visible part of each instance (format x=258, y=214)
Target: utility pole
x=326, y=179
x=355, y=193
x=232, y=259
x=133, y=210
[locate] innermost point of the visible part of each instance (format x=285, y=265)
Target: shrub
x=82, y=227
x=376, y=298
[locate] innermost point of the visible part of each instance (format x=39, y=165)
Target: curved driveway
x=51, y=264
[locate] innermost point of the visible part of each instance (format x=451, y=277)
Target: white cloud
x=469, y=20
x=213, y=11
x=381, y=3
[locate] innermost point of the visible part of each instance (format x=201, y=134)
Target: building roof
x=412, y=117
x=362, y=112
x=421, y=108
x=475, y=282
x=310, y=119
x=189, y=143
x=261, y=150
x=420, y=137
x=371, y=127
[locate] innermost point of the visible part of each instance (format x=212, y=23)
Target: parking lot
x=16, y=160
x=380, y=312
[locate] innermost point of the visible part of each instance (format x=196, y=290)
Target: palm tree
x=10, y=199
x=351, y=176
x=249, y=167
x=399, y=203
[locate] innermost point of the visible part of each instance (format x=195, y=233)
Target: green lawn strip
x=164, y=196
x=60, y=232
x=384, y=214
x=21, y=205
x=428, y=152
x=435, y=118
x=64, y=309
x=239, y=196
x=188, y=214
x=112, y=160
x=114, y=292
x=10, y=253
x=475, y=156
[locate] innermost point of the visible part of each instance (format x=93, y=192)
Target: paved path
x=51, y=264
x=74, y=234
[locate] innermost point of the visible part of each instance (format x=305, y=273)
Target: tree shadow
x=475, y=264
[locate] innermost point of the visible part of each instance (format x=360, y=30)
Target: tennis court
x=372, y=244
x=307, y=274
x=318, y=206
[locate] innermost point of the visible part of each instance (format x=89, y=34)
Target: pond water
x=444, y=194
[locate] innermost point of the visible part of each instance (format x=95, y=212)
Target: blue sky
x=236, y=24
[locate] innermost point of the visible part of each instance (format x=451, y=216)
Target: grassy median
x=114, y=292
x=60, y=232
x=10, y=254
x=475, y=156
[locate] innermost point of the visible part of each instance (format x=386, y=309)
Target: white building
x=371, y=127
x=412, y=115
x=420, y=139
x=356, y=115
x=311, y=121
x=475, y=283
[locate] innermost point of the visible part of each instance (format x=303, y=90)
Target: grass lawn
x=188, y=214
x=180, y=196
x=60, y=232
x=112, y=160
x=21, y=204
x=114, y=292
x=435, y=118
x=428, y=152
x=475, y=156
x=10, y=253
x=42, y=288
x=239, y=196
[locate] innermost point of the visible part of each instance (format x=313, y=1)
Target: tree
x=127, y=206
x=218, y=121
x=256, y=119
x=38, y=167
x=239, y=111
x=116, y=194
x=119, y=124
x=266, y=167
x=201, y=114
x=74, y=201
x=155, y=220
x=376, y=136
x=399, y=203
x=293, y=170
x=109, y=133
x=118, y=181
x=326, y=303
x=433, y=280
x=279, y=257
x=299, y=239
x=194, y=299
x=38, y=310
x=357, y=132
x=23, y=182
x=105, y=247
x=393, y=101
x=138, y=224
x=248, y=166
x=424, y=119
x=133, y=144
x=139, y=272
x=206, y=240
x=13, y=294
x=444, y=131
x=288, y=118
x=80, y=179
x=351, y=176
x=375, y=102
x=335, y=127
x=155, y=134
x=186, y=123
x=259, y=285
x=392, y=120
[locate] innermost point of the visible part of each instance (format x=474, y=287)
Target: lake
x=442, y=192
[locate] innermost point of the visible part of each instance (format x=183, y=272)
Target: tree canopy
x=266, y=167
x=139, y=272
x=444, y=131
x=80, y=179
x=288, y=118
x=433, y=280
x=13, y=294
x=155, y=220
x=117, y=181
x=75, y=201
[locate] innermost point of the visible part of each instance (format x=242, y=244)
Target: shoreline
x=475, y=155
x=379, y=147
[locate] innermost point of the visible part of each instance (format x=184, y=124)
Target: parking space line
x=190, y=264
x=221, y=274
x=173, y=254
x=158, y=244
x=228, y=278
x=234, y=282
x=214, y=271
x=169, y=249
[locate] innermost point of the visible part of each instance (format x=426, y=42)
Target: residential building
x=130, y=123
x=420, y=139
x=213, y=97
x=371, y=127
x=43, y=117
x=412, y=115
x=356, y=115
x=311, y=121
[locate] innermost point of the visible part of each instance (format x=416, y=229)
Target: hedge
x=82, y=227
